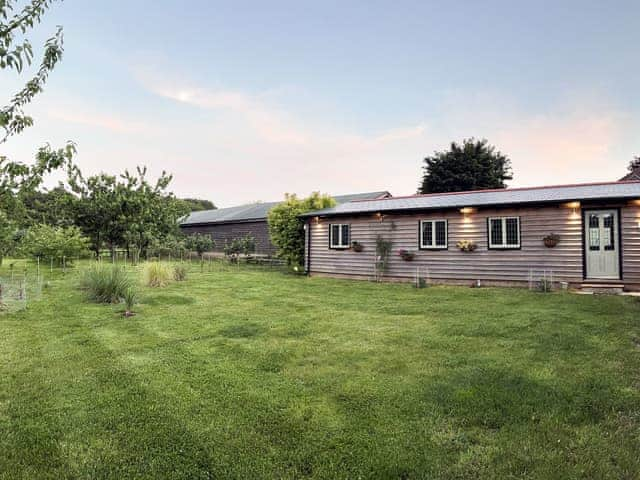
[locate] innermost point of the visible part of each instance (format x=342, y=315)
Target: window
x=594, y=232
x=339, y=235
x=504, y=232
x=433, y=234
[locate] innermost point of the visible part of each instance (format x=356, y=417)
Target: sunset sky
x=243, y=101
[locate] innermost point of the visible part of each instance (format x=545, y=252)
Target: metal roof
x=483, y=198
x=259, y=211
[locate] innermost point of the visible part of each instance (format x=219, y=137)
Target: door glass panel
x=608, y=233
x=594, y=232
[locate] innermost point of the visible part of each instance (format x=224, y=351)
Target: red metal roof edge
x=571, y=185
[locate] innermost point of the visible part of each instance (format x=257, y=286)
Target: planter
x=551, y=241
x=406, y=255
x=466, y=246
x=357, y=247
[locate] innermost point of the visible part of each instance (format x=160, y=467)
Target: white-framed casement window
x=433, y=234
x=339, y=235
x=504, y=232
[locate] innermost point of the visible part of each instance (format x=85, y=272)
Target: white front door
x=601, y=244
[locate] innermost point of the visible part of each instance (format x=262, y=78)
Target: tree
x=286, y=228
x=56, y=207
x=126, y=211
x=54, y=243
x=474, y=165
x=197, y=204
x=634, y=164
x=16, y=54
x=8, y=236
x=200, y=243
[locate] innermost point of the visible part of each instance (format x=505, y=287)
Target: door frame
x=584, y=242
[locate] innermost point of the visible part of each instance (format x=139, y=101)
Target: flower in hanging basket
x=406, y=255
x=551, y=240
x=357, y=246
x=466, y=245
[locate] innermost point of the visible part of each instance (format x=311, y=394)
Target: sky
x=244, y=101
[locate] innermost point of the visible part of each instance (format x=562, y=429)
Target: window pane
x=594, y=232
x=427, y=234
x=512, y=231
x=335, y=235
x=496, y=232
x=345, y=235
x=441, y=233
x=608, y=234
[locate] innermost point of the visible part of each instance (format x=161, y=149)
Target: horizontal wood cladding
x=630, y=228
x=564, y=260
x=226, y=232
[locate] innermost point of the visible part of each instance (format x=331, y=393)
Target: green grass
x=256, y=374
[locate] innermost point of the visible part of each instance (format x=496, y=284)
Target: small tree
x=474, y=165
x=52, y=243
x=8, y=236
x=199, y=243
x=286, y=228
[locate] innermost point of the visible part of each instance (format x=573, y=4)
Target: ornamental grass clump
x=156, y=274
x=179, y=273
x=105, y=283
x=130, y=299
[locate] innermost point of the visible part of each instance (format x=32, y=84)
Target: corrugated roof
x=481, y=198
x=259, y=211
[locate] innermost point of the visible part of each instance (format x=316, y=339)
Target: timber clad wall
x=228, y=231
x=630, y=220
x=451, y=265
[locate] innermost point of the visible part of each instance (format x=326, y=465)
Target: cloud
x=109, y=122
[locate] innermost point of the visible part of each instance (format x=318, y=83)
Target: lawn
x=258, y=374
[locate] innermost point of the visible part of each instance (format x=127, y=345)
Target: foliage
x=245, y=245
x=199, y=243
x=474, y=165
x=172, y=245
x=130, y=299
x=9, y=236
x=286, y=228
x=126, y=211
x=105, y=283
x=56, y=207
x=198, y=204
x=545, y=285
x=179, y=272
x=49, y=242
x=16, y=53
x=634, y=164
x=156, y=274
x=383, y=250
x=466, y=245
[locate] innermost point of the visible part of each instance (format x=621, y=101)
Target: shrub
x=50, y=242
x=179, y=273
x=105, y=283
x=199, y=243
x=156, y=274
x=286, y=228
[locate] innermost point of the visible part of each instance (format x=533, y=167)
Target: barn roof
x=484, y=198
x=259, y=211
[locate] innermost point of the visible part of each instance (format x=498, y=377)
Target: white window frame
x=339, y=245
x=434, y=246
x=504, y=245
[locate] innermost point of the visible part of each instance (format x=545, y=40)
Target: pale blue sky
x=244, y=101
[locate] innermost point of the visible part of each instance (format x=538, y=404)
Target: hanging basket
x=551, y=241
x=357, y=246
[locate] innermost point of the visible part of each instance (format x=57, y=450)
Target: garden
x=210, y=369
